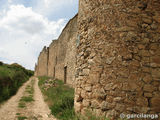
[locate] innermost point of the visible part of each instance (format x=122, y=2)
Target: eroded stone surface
x=117, y=57
x=124, y=62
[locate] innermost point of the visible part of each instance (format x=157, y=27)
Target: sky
x=26, y=26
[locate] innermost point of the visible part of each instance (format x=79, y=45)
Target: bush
x=11, y=78
x=1, y=63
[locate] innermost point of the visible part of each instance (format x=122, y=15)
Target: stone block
x=126, y=87
x=146, y=94
x=91, y=62
x=154, y=46
x=108, y=86
x=146, y=69
x=110, y=60
x=155, y=61
x=95, y=104
x=123, y=72
x=133, y=86
x=83, y=93
x=100, y=93
x=155, y=73
x=142, y=101
x=107, y=106
x=78, y=106
x=147, y=78
x=120, y=107
x=94, y=78
x=155, y=104
x=117, y=99
x=109, y=99
x=148, y=88
x=145, y=53
x=141, y=46
x=77, y=90
x=125, y=28
x=86, y=103
x=78, y=98
x=127, y=56
x=88, y=88
x=86, y=71
x=156, y=94
x=147, y=20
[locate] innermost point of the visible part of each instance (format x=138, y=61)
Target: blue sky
x=26, y=26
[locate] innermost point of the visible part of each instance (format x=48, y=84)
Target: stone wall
x=67, y=51
x=52, y=58
x=42, y=65
x=62, y=55
x=118, y=57
x=70, y=59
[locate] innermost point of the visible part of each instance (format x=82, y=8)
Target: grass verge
x=60, y=99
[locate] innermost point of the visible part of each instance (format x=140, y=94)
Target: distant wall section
x=59, y=60
x=66, y=55
x=42, y=65
x=52, y=62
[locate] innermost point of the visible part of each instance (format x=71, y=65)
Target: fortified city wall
x=118, y=57
x=111, y=56
x=59, y=59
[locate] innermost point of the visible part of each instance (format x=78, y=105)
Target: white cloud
x=9, y=1
x=23, y=34
x=48, y=7
x=22, y=18
x=51, y=3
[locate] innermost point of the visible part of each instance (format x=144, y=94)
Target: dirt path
x=40, y=108
x=8, y=109
x=28, y=104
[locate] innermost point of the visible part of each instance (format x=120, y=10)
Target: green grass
x=60, y=98
x=18, y=113
x=11, y=78
x=26, y=99
x=22, y=117
x=21, y=105
x=61, y=102
x=29, y=90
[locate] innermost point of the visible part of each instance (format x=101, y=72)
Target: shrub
x=1, y=63
x=11, y=78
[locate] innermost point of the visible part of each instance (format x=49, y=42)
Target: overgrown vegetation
x=11, y=78
x=60, y=99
